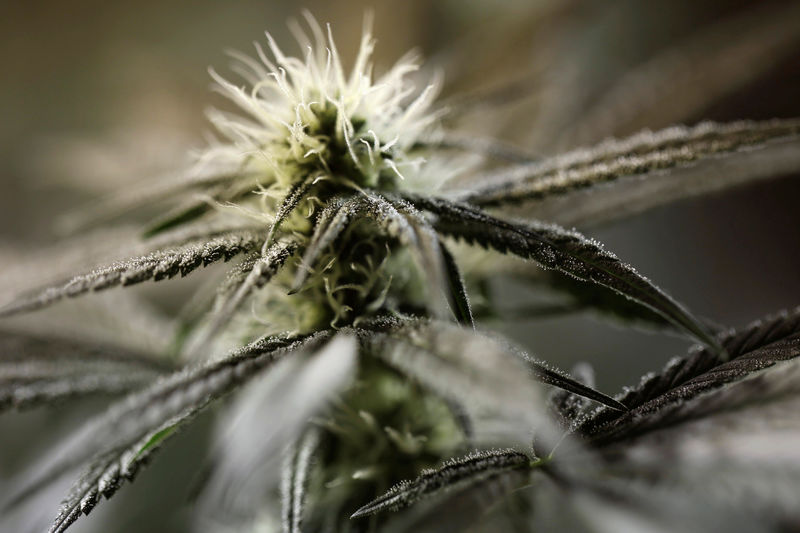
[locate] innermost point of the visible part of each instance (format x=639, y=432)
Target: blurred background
x=94, y=95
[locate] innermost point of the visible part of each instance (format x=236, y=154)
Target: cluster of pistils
x=306, y=116
x=346, y=285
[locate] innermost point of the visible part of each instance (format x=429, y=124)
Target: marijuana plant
x=342, y=347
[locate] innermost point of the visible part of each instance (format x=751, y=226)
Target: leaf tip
x=363, y=511
x=616, y=405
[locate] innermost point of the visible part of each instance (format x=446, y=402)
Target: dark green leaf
x=548, y=375
x=566, y=251
x=569, y=407
x=757, y=347
x=455, y=474
x=457, y=293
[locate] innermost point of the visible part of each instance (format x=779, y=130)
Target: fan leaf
x=154, y=266
x=681, y=370
x=757, y=347
x=453, y=475
x=114, y=445
x=568, y=252
x=37, y=370
x=643, y=154
x=732, y=427
x=748, y=384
